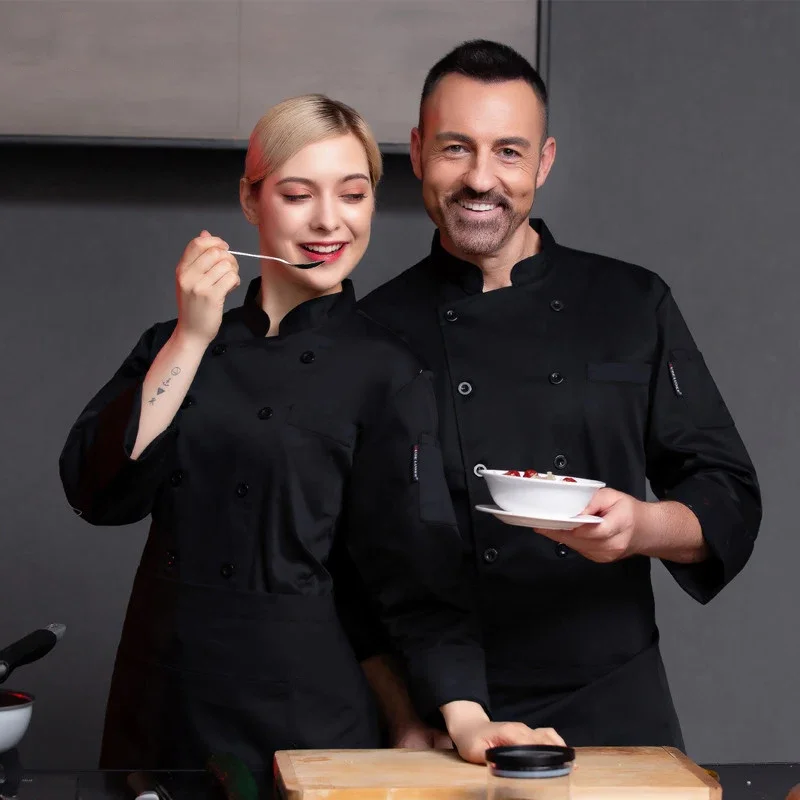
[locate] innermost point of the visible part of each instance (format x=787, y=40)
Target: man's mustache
x=465, y=195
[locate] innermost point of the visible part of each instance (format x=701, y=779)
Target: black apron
x=206, y=670
x=629, y=705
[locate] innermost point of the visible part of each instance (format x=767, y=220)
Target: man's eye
x=508, y=152
x=455, y=148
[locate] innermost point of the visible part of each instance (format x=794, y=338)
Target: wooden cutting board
x=607, y=773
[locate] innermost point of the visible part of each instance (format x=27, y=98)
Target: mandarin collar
x=469, y=276
x=308, y=315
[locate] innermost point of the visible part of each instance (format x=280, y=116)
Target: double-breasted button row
x=308, y=357
x=171, y=560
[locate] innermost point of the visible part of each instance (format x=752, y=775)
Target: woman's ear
x=248, y=198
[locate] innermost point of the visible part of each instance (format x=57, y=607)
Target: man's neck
x=497, y=267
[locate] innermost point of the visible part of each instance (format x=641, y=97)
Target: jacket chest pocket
x=318, y=449
x=617, y=397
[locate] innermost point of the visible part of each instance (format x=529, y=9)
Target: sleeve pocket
x=435, y=505
x=692, y=383
x=620, y=372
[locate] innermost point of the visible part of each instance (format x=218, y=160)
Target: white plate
x=544, y=521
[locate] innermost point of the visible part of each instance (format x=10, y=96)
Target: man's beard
x=478, y=237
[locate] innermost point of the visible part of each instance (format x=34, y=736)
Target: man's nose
x=480, y=177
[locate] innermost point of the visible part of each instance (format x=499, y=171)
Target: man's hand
x=666, y=529
x=613, y=538
x=473, y=733
x=416, y=735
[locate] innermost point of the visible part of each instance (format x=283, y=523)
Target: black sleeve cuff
x=117, y=489
x=725, y=531
x=444, y=675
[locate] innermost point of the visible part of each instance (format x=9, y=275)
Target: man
x=553, y=359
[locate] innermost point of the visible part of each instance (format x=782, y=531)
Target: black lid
x=529, y=757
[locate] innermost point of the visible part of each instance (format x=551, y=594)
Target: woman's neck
x=279, y=296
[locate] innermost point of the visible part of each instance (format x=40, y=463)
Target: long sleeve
x=355, y=607
x=696, y=456
x=403, y=538
x=102, y=483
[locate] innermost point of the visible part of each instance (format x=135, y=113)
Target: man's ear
x=416, y=152
x=546, y=161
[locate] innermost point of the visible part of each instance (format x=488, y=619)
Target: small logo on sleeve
x=415, y=463
x=675, y=385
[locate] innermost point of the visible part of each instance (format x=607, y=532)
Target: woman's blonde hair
x=293, y=124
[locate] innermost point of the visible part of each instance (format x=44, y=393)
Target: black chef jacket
x=583, y=366
x=292, y=458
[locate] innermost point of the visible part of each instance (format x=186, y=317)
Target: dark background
x=678, y=131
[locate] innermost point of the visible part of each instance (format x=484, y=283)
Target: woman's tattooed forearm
x=164, y=385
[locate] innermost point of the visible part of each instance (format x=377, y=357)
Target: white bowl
x=539, y=495
x=15, y=714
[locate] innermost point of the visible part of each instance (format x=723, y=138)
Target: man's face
x=480, y=155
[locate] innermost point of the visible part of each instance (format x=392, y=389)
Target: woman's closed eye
x=296, y=198
x=354, y=197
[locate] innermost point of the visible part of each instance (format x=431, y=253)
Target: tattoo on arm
x=164, y=385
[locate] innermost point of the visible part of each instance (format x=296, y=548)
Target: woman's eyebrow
x=308, y=182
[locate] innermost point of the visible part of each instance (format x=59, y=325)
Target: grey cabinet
x=207, y=69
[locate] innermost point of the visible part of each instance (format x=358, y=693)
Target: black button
x=242, y=489
x=556, y=378
x=172, y=558
x=226, y=570
x=176, y=479
x=560, y=461
x=562, y=551
x=450, y=315
x=465, y=388
x=556, y=305
x=219, y=349
x=188, y=401
x=308, y=357
x=265, y=413
x=490, y=555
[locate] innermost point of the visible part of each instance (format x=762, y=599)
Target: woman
x=272, y=444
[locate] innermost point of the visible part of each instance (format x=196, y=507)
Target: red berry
x=530, y=473
x=512, y=472
x=569, y=480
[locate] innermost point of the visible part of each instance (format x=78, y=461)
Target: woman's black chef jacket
x=292, y=458
x=584, y=366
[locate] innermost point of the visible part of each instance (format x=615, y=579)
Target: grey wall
x=679, y=140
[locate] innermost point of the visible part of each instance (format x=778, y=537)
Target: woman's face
x=317, y=207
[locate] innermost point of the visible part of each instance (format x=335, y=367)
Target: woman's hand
x=205, y=276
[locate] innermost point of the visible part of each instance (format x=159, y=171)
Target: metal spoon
x=309, y=265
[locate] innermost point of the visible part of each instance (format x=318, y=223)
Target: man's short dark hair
x=489, y=62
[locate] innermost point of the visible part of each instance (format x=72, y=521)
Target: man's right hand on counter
x=473, y=733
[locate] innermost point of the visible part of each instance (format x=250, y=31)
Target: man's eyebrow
x=505, y=141
x=514, y=141
x=454, y=136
